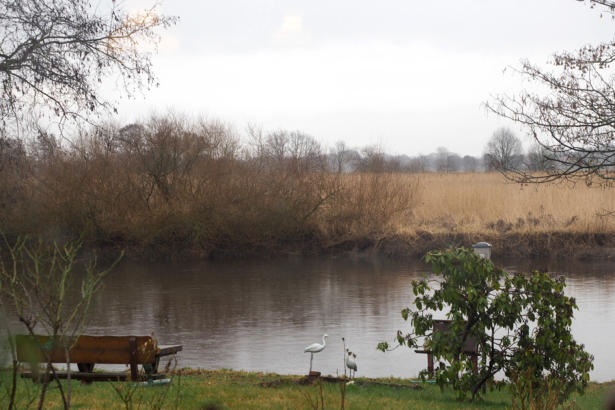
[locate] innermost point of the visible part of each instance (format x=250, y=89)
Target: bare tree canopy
x=55, y=54
x=605, y=3
x=573, y=119
x=503, y=151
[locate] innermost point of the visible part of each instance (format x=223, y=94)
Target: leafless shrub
x=172, y=182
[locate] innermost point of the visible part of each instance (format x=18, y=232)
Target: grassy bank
x=170, y=186
x=226, y=389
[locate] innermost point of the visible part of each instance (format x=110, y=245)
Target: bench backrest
x=87, y=349
x=470, y=345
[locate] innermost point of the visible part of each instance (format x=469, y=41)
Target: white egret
x=315, y=348
x=351, y=363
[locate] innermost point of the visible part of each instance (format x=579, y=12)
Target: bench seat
x=87, y=351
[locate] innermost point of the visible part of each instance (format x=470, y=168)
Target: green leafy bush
x=520, y=323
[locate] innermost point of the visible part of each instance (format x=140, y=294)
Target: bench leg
x=430, y=365
x=85, y=367
x=134, y=371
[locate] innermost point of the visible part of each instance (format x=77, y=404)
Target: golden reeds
x=488, y=202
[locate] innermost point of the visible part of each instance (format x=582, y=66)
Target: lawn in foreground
x=228, y=389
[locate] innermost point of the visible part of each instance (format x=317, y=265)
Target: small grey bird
x=351, y=363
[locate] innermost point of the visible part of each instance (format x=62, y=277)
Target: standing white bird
x=315, y=348
x=351, y=363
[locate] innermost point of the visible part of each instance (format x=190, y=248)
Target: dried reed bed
x=489, y=203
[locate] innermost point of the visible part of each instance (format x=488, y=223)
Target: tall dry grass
x=489, y=203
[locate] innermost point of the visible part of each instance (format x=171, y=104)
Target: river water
x=260, y=316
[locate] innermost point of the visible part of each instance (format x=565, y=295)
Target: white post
x=482, y=249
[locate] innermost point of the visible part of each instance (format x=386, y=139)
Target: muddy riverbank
x=561, y=245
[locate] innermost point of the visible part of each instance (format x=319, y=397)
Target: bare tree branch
x=54, y=56
x=572, y=121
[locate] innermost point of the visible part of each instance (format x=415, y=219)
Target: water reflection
x=260, y=316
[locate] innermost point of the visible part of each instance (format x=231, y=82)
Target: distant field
x=489, y=203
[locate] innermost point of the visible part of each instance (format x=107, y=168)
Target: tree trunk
x=41, y=399
x=13, y=385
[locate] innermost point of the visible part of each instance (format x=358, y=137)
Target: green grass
x=228, y=389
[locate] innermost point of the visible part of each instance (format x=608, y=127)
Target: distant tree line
x=503, y=152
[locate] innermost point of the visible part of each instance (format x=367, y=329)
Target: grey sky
x=408, y=75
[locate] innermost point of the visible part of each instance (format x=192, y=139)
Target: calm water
x=260, y=316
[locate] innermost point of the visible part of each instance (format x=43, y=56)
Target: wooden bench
x=87, y=351
x=470, y=347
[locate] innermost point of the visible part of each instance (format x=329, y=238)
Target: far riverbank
x=532, y=245
x=249, y=213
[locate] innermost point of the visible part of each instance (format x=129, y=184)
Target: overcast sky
x=405, y=74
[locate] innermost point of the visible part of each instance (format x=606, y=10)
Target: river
x=260, y=316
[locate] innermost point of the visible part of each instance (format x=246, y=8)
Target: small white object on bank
x=482, y=249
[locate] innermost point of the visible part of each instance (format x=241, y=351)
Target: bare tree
x=606, y=3
x=446, y=161
x=417, y=164
x=55, y=54
x=13, y=173
x=45, y=293
x=503, y=151
x=166, y=150
x=536, y=159
x=453, y=162
x=470, y=163
x=295, y=152
x=373, y=159
x=340, y=156
x=572, y=122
